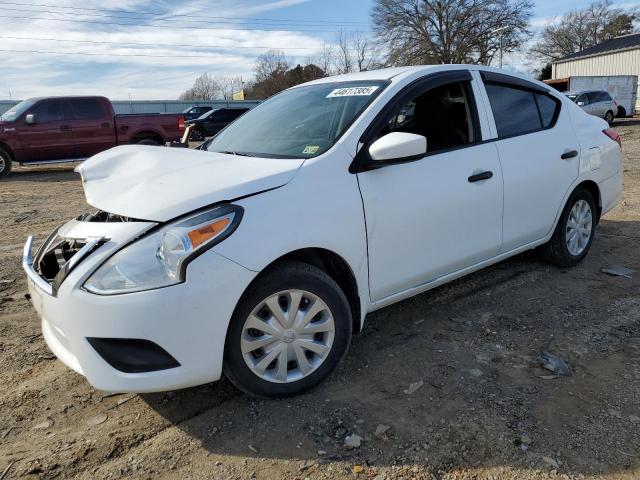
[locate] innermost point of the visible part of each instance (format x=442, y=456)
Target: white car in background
x=595, y=102
x=261, y=253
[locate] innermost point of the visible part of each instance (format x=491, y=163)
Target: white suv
x=596, y=102
x=261, y=253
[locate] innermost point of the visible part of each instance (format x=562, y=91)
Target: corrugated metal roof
x=619, y=43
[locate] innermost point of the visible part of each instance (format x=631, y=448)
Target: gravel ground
x=481, y=406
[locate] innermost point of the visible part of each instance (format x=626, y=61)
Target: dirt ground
x=485, y=409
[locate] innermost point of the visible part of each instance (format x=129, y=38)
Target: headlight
x=160, y=259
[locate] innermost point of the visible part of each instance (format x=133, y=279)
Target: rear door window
x=518, y=111
x=514, y=109
x=87, y=108
x=594, y=97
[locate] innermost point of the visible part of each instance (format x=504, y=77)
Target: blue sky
x=150, y=49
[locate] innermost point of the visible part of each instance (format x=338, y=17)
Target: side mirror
x=30, y=119
x=398, y=146
x=581, y=104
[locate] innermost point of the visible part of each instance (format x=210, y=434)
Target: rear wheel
x=5, y=163
x=609, y=117
x=574, y=233
x=148, y=141
x=197, y=135
x=289, y=331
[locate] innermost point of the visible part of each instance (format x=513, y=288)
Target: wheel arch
x=147, y=135
x=333, y=265
x=594, y=190
x=7, y=148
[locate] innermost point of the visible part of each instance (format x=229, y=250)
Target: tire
x=148, y=141
x=622, y=112
x=280, y=285
x=197, y=135
x=557, y=250
x=609, y=117
x=5, y=163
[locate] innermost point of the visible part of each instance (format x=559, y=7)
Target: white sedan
x=259, y=254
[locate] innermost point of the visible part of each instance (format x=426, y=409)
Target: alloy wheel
x=287, y=336
x=579, y=227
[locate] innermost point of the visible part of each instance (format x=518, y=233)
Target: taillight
x=613, y=135
x=181, y=123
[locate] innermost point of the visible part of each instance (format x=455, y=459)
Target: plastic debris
x=97, y=420
x=617, y=271
x=353, y=441
x=357, y=469
x=553, y=363
x=414, y=387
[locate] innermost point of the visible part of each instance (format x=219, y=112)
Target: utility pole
x=500, y=34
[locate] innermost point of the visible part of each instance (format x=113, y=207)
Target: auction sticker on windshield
x=352, y=92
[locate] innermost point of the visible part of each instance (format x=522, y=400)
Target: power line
x=222, y=47
x=118, y=11
x=173, y=26
x=167, y=19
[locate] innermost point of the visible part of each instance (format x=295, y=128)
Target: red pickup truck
x=64, y=129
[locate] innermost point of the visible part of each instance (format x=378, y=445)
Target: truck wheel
x=148, y=141
x=5, y=163
x=197, y=135
x=289, y=331
x=609, y=116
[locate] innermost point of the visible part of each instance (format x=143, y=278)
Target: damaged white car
x=260, y=254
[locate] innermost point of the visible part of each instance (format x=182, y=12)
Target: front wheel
x=197, y=135
x=574, y=233
x=5, y=163
x=609, y=117
x=289, y=331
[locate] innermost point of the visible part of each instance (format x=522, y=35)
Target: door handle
x=65, y=128
x=480, y=176
x=568, y=155
x=105, y=125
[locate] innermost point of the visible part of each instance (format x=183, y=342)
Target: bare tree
x=204, y=88
x=364, y=51
x=270, y=64
x=228, y=85
x=342, y=59
x=449, y=31
x=580, y=29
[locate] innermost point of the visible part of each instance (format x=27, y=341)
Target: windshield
x=14, y=112
x=302, y=122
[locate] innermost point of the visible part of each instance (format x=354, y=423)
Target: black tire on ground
x=148, y=141
x=622, y=112
x=556, y=250
x=197, y=135
x=287, y=275
x=609, y=117
x=5, y=163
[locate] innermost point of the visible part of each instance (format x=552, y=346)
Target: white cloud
x=116, y=68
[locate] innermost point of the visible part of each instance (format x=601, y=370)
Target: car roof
x=580, y=92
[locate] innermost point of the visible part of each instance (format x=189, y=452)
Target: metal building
x=609, y=65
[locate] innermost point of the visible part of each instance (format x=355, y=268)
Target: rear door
x=92, y=126
x=597, y=104
x=49, y=137
x=539, y=154
x=218, y=120
x=438, y=214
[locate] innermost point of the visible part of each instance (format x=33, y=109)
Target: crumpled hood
x=160, y=183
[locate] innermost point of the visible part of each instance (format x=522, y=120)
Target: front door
x=439, y=214
x=49, y=137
